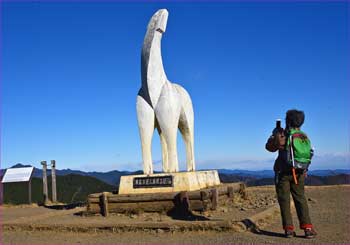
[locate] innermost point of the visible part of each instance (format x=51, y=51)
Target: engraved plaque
x=153, y=182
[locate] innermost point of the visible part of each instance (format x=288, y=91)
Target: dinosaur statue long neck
x=152, y=70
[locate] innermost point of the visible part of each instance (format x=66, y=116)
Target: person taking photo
x=294, y=157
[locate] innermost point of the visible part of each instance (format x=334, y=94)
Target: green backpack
x=299, y=146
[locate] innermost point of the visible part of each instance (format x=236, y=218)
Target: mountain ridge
x=113, y=177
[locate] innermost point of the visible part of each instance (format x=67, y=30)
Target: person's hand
x=275, y=131
x=271, y=144
x=280, y=140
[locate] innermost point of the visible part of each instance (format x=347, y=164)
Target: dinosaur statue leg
x=145, y=117
x=170, y=135
x=186, y=129
x=167, y=113
x=186, y=125
x=164, y=151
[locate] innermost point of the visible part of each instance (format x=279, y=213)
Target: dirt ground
x=329, y=208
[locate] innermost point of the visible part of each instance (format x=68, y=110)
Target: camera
x=278, y=128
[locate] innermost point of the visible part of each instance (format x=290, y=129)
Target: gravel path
x=329, y=207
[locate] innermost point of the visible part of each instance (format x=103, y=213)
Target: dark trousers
x=284, y=187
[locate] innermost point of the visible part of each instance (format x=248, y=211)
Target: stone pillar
x=46, y=197
x=53, y=175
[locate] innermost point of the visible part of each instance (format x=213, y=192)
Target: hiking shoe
x=289, y=233
x=310, y=233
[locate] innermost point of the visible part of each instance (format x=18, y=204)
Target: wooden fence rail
x=200, y=200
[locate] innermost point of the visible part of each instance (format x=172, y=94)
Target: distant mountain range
x=270, y=173
x=338, y=179
x=113, y=177
x=75, y=185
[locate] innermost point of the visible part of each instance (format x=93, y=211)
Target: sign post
x=30, y=191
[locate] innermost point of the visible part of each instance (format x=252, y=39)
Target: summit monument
x=167, y=107
x=161, y=104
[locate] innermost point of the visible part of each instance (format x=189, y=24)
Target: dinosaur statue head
x=158, y=21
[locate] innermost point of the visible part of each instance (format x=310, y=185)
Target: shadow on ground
x=181, y=210
x=65, y=206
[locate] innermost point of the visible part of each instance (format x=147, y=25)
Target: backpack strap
x=299, y=135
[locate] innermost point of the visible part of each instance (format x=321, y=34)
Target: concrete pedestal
x=168, y=182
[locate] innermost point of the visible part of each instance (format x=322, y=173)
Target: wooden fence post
x=242, y=191
x=214, y=199
x=230, y=191
x=104, y=203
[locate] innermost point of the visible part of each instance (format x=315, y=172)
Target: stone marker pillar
x=46, y=197
x=53, y=175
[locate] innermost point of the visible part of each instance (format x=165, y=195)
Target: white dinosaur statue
x=162, y=104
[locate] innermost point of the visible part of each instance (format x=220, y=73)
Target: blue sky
x=71, y=72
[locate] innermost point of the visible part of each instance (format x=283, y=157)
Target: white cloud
x=331, y=161
x=244, y=164
x=319, y=162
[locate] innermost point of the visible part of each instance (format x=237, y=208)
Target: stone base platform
x=168, y=182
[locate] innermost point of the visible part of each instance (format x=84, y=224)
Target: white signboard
x=17, y=175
